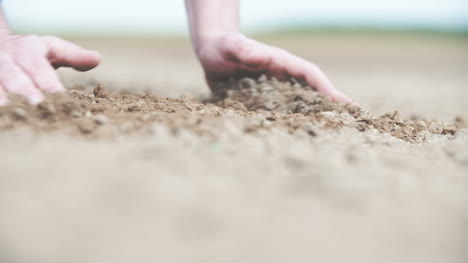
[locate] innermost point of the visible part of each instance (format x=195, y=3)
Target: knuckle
x=6, y=62
x=30, y=38
x=32, y=65
x=28, y=44
x=50, y=37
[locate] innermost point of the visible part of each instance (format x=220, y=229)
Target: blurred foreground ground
x=340, y=196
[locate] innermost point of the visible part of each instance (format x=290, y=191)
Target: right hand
x=28, y=63
x=232, y=55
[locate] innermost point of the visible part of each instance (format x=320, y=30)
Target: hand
x=233, y=55
x=28, y=63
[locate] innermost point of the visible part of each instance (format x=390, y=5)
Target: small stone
x=267, y=88
x=98, y=109
x=310, y=129
x=422, y=124
x=396, y=116
x=100, y=119
x=436, y=127
x=461, y=122
x=46, y=108
x=134, y=108
x=86, y=126
x=247, y=83
x=20, y=114
x=449, y=130
x=76, y=114
x=271, y=105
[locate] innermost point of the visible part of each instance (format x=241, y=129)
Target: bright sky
x=168, y=16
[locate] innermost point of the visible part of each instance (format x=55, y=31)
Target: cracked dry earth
x=262, y=171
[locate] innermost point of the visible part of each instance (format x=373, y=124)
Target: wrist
x=5, y=30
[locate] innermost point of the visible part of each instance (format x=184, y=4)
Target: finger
x=41, y=73
x=13, y=79
x=314, y=76
x=65, y=54
x=3, y=97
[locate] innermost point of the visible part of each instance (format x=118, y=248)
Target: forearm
x=4, y=28
x=211, y=18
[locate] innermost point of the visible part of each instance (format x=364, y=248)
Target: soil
x=259, y=104
x=261, y=171
x=293, y=99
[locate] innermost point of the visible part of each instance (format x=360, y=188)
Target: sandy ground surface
x=129, y=175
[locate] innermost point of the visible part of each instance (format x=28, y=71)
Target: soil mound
x=96, y=112
x=293, y=97
x=252, y=105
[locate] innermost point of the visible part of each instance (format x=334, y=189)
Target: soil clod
x=101, y=92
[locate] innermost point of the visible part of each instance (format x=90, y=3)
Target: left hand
x=234, y=55
x=28, y=63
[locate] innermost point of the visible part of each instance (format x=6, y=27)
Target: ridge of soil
x=253, y=104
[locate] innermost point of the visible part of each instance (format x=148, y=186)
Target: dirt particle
x=76, y=114
x=396, y=116
x=19, y=114
x=134, y=108
x=461, y=123
x=449, y=130
x=100, y=119
x=98, y=108
x=46, y=110
x=101, y=92
x=436, y=127
x=85, y=126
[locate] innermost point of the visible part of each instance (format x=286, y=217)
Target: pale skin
x=28, y=63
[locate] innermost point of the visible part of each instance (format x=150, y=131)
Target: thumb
x=62, y=53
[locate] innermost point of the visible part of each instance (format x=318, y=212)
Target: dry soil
x=262, y=171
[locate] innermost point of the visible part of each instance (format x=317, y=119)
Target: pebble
x=101, y=92
x=100, y=119
x=397, y=117
x=247, y=83
x=436, y=127
x=76, y=114
x=20, y=114
x=85, y=126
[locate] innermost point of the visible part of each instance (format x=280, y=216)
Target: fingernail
x=36, y=99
